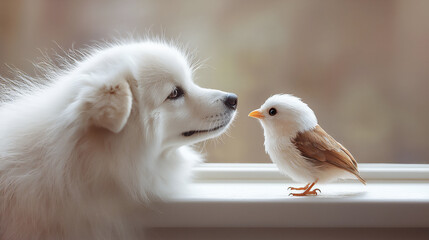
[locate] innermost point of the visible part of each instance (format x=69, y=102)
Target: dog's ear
x=110, y=106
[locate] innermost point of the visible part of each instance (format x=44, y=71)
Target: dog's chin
x=209, y=132
x=205, y=131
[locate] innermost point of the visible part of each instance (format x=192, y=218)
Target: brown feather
x=318, y=146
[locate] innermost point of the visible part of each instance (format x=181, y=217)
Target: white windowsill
x=256, y=195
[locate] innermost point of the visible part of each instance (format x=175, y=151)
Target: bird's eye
x=272, y=111
x=176, y=93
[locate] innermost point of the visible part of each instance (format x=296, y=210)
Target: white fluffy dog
x=81, y=153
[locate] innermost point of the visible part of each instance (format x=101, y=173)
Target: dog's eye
x=176, y=93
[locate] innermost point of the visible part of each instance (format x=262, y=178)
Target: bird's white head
x=284, y=113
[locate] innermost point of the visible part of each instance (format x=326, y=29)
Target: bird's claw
x=306, y=193
x=297, y=188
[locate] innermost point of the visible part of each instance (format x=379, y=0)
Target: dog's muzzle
x=230, y=101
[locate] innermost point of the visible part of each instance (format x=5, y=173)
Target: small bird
x=299, y=147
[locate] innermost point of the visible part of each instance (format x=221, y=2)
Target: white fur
x=293, y=116
x=83, y=153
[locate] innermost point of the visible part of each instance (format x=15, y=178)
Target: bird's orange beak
x=256, y=114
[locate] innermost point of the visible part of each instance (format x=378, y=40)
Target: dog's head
x=183, y=112
x=169, y=107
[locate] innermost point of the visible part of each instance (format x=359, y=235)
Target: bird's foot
x=299, y=188
x=306, y=193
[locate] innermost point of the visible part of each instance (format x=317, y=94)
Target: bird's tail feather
x=360, y=178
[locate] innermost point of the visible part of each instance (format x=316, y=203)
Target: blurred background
x=362, y=66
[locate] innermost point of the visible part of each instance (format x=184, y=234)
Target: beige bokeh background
x=363, y=66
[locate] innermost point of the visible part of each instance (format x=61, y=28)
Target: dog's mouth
x=190, y=133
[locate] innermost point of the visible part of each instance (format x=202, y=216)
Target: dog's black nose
x=231, y=101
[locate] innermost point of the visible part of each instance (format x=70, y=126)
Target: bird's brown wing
x=319, y=146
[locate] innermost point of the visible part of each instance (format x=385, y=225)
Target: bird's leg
x=299, y=188
x=308, y=191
